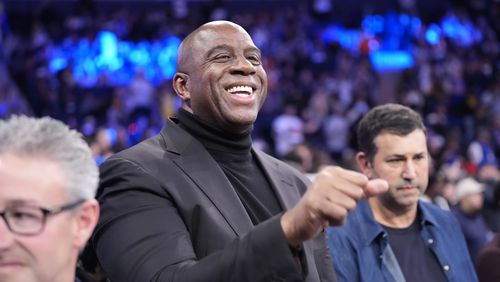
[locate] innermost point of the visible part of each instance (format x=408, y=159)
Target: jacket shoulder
x=269, y=160
x=149, y=148
x=441, y=216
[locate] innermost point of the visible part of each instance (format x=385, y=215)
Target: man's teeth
x=247, y=90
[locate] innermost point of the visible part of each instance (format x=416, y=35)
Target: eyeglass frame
x=46, y=212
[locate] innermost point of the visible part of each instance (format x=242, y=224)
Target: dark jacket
x=168, y=213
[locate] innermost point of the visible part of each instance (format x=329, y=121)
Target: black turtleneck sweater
x=233, y=154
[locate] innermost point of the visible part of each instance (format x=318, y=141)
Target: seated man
x=48, y=180
x=395, y=236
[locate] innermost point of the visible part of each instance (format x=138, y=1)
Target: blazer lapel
x=282, y=183
x=195, y=161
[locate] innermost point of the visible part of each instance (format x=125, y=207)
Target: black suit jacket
x=168, y=213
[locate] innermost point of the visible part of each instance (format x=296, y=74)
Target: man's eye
x=222, y=57
x=24, y=216
x=254, y=59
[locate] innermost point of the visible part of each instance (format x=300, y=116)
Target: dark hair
x=392, y=118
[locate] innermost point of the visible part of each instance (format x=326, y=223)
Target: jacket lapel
x=281, y=182
x=195, y=161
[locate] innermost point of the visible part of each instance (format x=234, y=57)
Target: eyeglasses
x=30, y=220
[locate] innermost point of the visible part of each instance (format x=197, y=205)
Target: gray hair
x=49, y=138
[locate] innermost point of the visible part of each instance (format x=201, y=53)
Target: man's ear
x=364, y=164
x=180, y=84
x=85, y=222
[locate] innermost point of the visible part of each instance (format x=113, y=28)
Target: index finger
x=352, y=176
x=375, y=187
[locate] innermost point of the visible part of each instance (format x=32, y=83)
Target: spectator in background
x=102, y=144
x=301, y=157
x=288, y=130
x=469, y=196
x=336, y=132
x=491, y=211
x=141, y=96
x=395, y=236
x=488, y=261
x=441, y=191
x=480, y=151
x=489, y=176
x=48, y=181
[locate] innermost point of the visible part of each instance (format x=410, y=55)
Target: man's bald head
x=220, y=77
x=187, y=49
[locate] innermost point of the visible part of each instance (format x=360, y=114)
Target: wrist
x=287, y=227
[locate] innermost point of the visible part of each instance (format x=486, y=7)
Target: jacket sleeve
x=323, y=259
x=141, y=237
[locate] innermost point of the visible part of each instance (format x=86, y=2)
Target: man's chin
x=18, y=275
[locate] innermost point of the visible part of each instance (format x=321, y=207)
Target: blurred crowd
x=317, y=90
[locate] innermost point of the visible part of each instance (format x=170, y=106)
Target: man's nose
x=409, y=170
x=243, y=66
x=6, y=236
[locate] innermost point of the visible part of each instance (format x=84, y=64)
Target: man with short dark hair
x=395, y=236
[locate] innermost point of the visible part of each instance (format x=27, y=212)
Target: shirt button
x=430, y=241
x=446, y=267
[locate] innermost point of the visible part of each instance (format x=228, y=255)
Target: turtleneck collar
x=214, y=140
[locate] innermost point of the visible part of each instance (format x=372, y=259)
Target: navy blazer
x=168, y=213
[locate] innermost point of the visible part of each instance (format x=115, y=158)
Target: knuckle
x=350, y=205
x=358, y=193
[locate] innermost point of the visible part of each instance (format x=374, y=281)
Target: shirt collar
x=373, y=230
x=426, y=215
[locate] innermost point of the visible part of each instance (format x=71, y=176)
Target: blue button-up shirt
x=360, y=249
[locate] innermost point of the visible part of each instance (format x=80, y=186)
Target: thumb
x=375, y=187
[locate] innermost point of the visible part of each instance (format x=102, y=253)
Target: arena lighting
x=390, y=46
x=433, y=34
x=347, y=38
x=462, y=32
x=116, y=59
x=391, y=60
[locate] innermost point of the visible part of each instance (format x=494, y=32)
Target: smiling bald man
x=198, y=203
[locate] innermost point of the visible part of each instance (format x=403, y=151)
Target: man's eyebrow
x=222, y=47
x=225, y=47
x=396, y=156
x=404, y=156
x=19, y=202
x=253, y=49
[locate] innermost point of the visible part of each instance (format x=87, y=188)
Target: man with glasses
x=48, y=180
